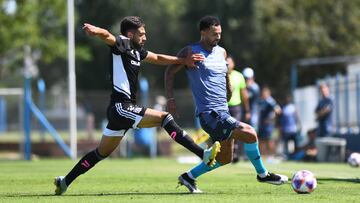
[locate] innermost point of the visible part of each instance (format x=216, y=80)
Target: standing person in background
x=323, y=112
x=254, y=96
x=268, y=110
x=238, y=97
x=289, y=125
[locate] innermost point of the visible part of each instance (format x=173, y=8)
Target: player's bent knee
x=108, y=144
x=253, y=135
x=163, y=115
x=245, y=133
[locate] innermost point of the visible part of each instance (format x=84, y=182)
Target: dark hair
x=208, y=21
x=229, y=56
x=130, y=23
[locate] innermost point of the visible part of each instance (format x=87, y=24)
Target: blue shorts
x=265, y=132
x=219, y=125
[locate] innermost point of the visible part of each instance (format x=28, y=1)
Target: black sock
x=85, y=164
x=177, y=134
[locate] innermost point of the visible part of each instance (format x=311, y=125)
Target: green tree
x=42, y=26
x=290, y=30
x=162, y=19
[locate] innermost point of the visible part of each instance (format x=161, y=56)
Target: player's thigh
x=152, y=118
x=225, y=155
x=108, y=144
x=244, y=132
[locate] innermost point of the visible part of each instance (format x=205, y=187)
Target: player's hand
x=190, y=60
x=90, y=29
x=171, y=107
x=247, y=116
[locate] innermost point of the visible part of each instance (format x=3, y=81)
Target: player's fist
x=190, y=60
x=90, y=29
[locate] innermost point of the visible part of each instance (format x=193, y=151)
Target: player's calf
x=180, y=136
x=85, y=164
x=226, y=154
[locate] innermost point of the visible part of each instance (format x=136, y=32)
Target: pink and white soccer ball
x=354, y=159
x=303, y=182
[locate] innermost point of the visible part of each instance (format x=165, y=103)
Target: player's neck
x=206, y=46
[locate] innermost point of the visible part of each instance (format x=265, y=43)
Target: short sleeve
x=273, y=103
x=121, y=44
x=328, y=104
x=143, y=53
x=242, y=81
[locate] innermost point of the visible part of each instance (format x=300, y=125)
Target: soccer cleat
x=211, y=153
x=188, y=182
x=60, y=184
x=273, y=178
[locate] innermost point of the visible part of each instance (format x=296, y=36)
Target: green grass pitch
x=155, y=180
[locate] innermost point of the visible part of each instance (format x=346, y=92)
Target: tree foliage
x=42, y=25
x=266, y=35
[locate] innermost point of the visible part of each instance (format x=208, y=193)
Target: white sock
x=190, y=175
x=263, y=175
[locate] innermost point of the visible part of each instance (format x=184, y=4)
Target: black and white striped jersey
x=124, y=69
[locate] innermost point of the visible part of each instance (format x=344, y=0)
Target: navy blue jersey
x=288, y=119
x=325, y=122
x=267, y=112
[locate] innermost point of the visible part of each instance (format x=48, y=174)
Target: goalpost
x=27, y=106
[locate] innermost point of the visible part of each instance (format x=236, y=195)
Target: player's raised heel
x=186, y=181
x=211, y=153
x=60, y=184
x=273, y=178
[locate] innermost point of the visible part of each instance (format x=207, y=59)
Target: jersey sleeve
x=242, y=81
x=143, y=53
x=273, y=104
x=121, y=44
x=328, y=104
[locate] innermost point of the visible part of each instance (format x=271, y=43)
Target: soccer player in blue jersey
x=211, y=90
x=127, y=52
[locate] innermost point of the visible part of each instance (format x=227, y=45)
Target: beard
x=137, y=45
x=214, y=43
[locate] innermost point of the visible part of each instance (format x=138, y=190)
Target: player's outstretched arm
x=169, y=81
x=163, y=59
x=103, y=34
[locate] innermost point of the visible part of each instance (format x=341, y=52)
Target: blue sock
x=253, y=153
x=201, y=169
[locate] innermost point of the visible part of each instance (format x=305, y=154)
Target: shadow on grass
x=349, y=180
x=103, y=194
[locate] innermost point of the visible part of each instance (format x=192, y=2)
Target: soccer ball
x=303, y=182
x=354, y=159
